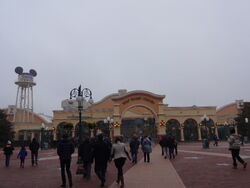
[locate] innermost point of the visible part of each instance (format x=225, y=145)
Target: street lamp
x=80, y=95
x=109, y=123
x=42, y=135
x=246, y=121
x=205, y=119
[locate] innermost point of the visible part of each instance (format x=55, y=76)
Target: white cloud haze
x=195, y=52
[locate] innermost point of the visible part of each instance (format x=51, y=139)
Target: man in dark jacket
x=65, y=149
x=8, y=151
x=34, y=147
x=134, y=146
x=101, y=156
x=86, y=153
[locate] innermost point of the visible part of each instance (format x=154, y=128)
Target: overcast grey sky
x=194, y=52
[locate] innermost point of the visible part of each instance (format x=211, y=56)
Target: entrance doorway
x=190, y=130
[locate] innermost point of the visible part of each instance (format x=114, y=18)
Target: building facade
x=142, y=113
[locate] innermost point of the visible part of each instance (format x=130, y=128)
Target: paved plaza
x=194, y=167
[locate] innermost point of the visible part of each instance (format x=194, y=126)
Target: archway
x=173, y=127
x=64, y=128
x=139, y=120
x=190, y=130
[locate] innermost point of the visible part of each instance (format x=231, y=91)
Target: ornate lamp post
x=205, y=119
x=80, y=95
x=109, y=123
x=246, y=121
x=42, y=135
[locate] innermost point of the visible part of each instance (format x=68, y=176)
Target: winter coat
x=134, y=145
x=86, y=151
x=65, y=149
x=146, y=146
x=8, y=149
x=34, y=146
x=119, y=150
x=101, y=152
x=22, y=154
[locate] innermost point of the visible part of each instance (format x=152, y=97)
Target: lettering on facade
x=137, y=99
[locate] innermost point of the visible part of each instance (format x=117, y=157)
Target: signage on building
x=137, y=99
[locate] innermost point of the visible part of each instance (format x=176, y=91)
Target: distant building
x=26, y=130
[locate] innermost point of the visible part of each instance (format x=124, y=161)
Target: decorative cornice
x=138, y=92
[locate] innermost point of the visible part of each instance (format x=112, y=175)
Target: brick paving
x=194, y=166
x=47, y=173
x=206, y=168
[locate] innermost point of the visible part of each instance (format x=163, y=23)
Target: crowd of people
x=101, y=150
x=168, y=145
x=34, y=147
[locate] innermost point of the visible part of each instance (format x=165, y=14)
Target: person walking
x=8, y=151
x=234, y=147
x=165, y=145
x=21, y=155
x=146, y=148
x=86, y=153
x=134, y=146
x=65, y=149
x=161, y=144
x=175, y=146
x=171, y=144
x=34, y=147
x=119, y=153
x=215, y=140
x=101, y=156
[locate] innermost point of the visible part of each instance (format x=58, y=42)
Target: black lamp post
x=42, y=135
x=109, y=123
x=247, y=131
x=80, y=94
x=205, y=119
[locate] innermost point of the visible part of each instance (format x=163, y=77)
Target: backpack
x=236, y=142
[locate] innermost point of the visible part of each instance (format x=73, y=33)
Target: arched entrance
x=64, y=128
x=190, y=130
x=173, y=127
x=139, y=120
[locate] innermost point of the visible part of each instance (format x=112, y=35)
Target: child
x=21, y=155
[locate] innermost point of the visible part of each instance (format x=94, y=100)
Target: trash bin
x=205, y=143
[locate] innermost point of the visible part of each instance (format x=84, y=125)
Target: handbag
x=80, y=169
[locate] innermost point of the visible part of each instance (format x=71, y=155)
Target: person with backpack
x=34, y=147
x=234, y=146
x=134, y=146
x=85, y=151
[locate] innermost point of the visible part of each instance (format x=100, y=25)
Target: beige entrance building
x=126, y=108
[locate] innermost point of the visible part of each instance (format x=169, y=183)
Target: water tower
x=24, y=97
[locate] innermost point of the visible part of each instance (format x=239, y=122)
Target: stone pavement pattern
x=159, y=173
x=196, y=167
x=206, y=168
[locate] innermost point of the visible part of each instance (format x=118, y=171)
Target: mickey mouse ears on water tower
x=19, y=70
x=33, y=72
